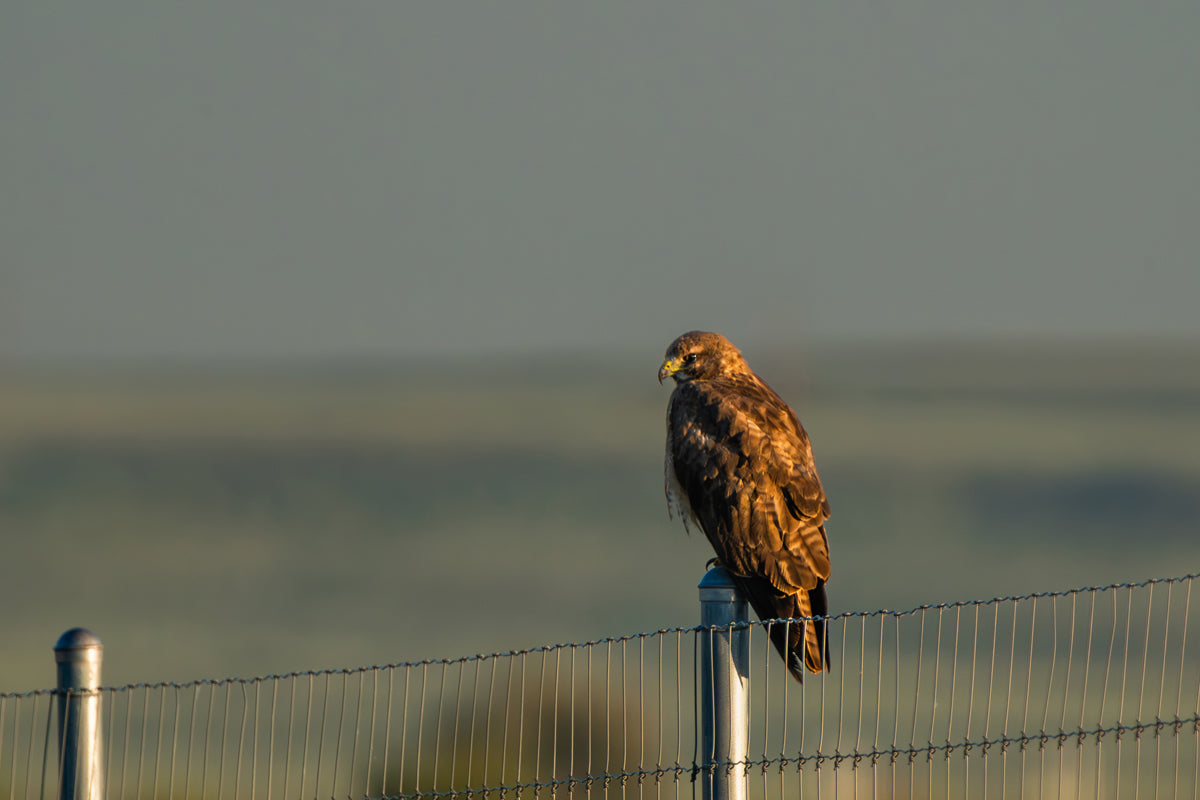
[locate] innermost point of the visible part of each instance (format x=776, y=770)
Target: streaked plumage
x=739, y=465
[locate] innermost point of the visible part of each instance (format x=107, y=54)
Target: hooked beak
x=667, y=370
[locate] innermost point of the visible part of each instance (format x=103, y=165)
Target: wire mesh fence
x=1084, y=693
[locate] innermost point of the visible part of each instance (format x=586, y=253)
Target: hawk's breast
x=677, y=500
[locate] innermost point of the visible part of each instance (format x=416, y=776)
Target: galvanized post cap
x=716, y=578
x=77, y=644
x=717, y=587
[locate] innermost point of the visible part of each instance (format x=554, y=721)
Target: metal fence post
x=78, y=653
x=724, y=687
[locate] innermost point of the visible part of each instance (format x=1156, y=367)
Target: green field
x=241, y=521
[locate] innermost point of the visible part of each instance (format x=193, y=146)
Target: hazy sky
x=299, y=178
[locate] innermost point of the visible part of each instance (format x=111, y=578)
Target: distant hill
x=251, y=519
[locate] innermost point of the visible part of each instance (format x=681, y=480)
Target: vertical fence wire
x=1087, y=693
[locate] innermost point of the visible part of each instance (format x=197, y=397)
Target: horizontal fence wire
x=1090, y=693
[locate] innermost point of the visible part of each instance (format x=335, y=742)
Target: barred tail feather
x=816, y=634
x=802, y=644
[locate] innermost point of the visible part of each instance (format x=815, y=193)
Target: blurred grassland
x=219, y=521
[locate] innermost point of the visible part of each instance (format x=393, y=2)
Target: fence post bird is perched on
x=739, y=465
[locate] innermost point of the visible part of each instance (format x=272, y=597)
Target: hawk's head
x=699, y=355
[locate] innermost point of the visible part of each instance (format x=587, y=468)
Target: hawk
x=739, y=465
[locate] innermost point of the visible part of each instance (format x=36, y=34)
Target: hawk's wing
x=744, y=465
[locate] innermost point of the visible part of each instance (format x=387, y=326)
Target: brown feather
x=740, y=465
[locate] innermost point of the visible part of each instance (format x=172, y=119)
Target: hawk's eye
x=690, y=358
